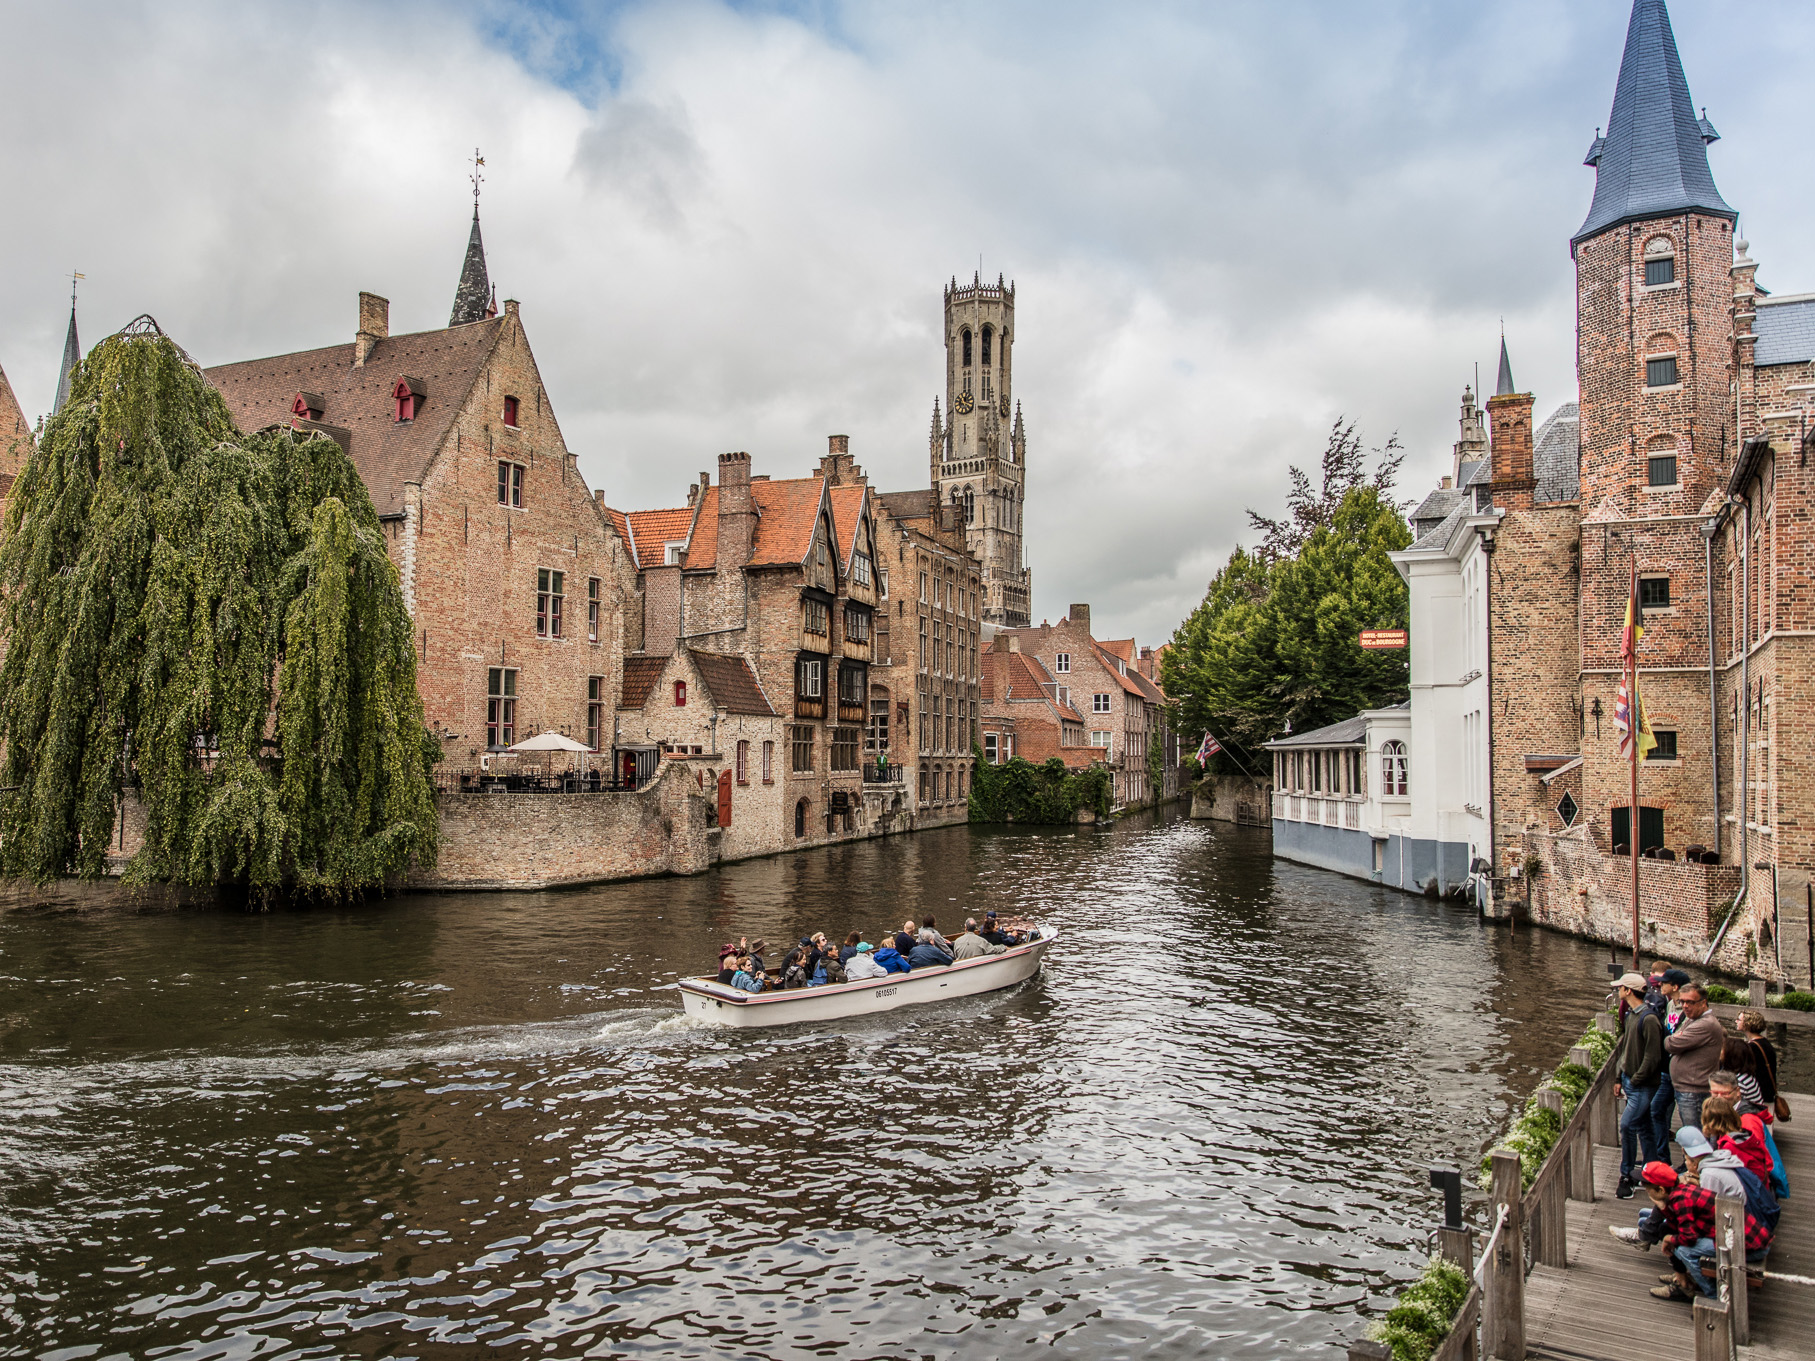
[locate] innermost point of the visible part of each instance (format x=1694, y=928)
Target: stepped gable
x=732, y=683
x=357, y=398
x=1653, y=160
x=15, y=436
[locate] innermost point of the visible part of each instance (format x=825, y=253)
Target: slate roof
x=1349, y=732
x=907, y=505
x=1434, y=509
x=259, y=393
x=472, y=294
x=640, y=676
x=1786, y=330
x=1556, y=455
x=72, y=355
x=1504, y=387
x=1654, y=159
x=733, y=685
x=1437, y=536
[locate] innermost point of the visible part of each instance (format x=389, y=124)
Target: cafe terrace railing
x=1530, y=1225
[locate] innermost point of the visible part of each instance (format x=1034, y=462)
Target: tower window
x=510, y=412
x=1665, y=750
x=1661, y=470
x=1661, y=372
x=1660, y=271
x=970, y=498
x=1654, y=593
x=986, y=339
x=967, y=347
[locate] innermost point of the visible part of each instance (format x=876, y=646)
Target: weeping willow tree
x=209, y=620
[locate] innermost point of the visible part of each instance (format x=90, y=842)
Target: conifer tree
x=210, y=621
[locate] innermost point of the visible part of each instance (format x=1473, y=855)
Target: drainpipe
x=1708, y=532
x=1487, y=614
x=1745, y=683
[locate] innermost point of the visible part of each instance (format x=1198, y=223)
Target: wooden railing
x=1530, y=1225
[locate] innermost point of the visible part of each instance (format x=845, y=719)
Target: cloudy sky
x=729, y=223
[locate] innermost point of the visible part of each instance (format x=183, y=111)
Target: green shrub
x=1719, y=993
x=1415, y=1327
x=1798, y=1001
x=1020, y=791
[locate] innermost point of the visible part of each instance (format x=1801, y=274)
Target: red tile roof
x=1120, y=647
x=1016, y=677
x=259, y=392
x=732, y=684
x=640, y=676
x=786, y=514
x=847, y=515
x=647, y=533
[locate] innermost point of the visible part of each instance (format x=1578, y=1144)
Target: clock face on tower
x=1002, y=406
x=964, y=404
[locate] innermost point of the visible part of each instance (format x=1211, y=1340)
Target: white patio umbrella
x=550, y=741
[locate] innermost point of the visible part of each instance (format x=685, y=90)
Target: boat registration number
x=885, y=992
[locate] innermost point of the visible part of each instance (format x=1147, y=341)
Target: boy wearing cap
x=1689, y=1217
x=1640, y=1064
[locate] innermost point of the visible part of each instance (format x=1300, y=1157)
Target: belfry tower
x=979, y=459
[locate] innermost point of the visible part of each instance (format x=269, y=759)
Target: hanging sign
x=1377, y=639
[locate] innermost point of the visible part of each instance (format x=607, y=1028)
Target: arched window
x=680, y=694
x=1392, y=770
x=970, y=505
x=967, y=347
x=800, y=818
x=988, y=333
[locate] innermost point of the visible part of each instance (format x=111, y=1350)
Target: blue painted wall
x=1415, y=865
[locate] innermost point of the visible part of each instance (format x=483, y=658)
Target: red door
x=724, y=798
x=630, y=768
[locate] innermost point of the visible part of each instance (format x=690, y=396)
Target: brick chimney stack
x=1510, y=415
x=374, y=326
x=736, y=512
x=1080, y=615
x=836, y=467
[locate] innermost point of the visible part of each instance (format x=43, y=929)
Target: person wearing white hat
x=1640, y=1063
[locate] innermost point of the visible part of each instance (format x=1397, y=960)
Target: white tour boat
x=720, y=1003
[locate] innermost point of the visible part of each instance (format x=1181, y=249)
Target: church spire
x=473, y=296
x=1505, y=387
x=1653, y=160
x=72, y=352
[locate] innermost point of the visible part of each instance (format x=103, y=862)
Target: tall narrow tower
x=979, y=458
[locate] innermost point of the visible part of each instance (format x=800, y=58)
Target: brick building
x=978, y=458
x=512, y=572
x=1692, y=415
x=1023, y=714
x=1124, y=713
x=15, y=436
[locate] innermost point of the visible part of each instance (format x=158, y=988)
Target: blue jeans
x=1663, y=1101
x=1689, y=1262
x=1638, y=1139
x=1651, y=1226
x=1689, y=1108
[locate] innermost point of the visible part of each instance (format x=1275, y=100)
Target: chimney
x=374, y=326
x=736, y=511
x=1510, y=416
x=836, y=467
x=1014, y=643
x=511, y=306
x=1080, y=615
x=1446, y=483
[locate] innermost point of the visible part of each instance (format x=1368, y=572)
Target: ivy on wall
x=209, y=620
x=1020, y=791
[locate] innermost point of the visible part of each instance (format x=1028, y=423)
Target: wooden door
x=724, y=798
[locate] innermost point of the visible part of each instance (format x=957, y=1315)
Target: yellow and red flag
x=1628, y=703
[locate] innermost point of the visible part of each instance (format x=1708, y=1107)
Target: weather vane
x=74, y=277
x=476, y=177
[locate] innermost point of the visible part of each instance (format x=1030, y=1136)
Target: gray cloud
x=729, y=226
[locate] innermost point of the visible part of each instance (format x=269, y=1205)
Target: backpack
x=1760, y=1203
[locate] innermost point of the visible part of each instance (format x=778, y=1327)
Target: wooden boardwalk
x=1599, y=1308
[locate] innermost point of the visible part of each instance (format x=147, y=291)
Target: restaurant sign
x=1375, y=639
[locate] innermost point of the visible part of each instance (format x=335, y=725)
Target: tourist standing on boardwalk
x=1663, y=1001
x=1694, y=1052
x=1764, y=1060
x=1641, y=1065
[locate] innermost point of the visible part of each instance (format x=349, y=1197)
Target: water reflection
x=478, y=1124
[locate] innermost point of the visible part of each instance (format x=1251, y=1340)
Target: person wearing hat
x=1640, y=1063
x=1690, y=1213
x=1716, y=1169
x=1662, y=1000
x=862, y=964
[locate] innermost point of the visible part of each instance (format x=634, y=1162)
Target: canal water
x=478, y=1126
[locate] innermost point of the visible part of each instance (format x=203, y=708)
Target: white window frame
x=1062, y=663
x=1099, y=703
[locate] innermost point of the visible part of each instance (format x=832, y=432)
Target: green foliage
x=1156, y=770
x=1798, y=1001
x=1020, y=791
x=1720, y=993
x=1415, y=1327
x=211, y=621
x=1537, y=1128
x=1278, y=639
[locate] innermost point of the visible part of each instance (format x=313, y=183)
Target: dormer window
x=408, y=397
x=510, y=412
x=308, y=406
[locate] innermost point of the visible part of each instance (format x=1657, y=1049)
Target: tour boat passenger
x=727, y=962
x=829, y=971
x=994, y=934
x=849, y=948
x=971, y=944
x=794, y=969
x=928, y=931
x=862, y=963
x=927, y=955
x=748, y=978
x=907, y=937
x=892, y=960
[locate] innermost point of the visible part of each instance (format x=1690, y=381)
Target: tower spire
x=1653, y=160
x=72, y=350
x=1504, y=387
x=473, y=295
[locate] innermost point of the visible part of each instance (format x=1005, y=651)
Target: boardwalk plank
x=1599, y=1308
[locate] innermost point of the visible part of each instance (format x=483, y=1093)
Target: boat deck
x=1600, y=1308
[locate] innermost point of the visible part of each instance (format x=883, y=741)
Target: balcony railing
x=483, y=782
x=1318, y=810
x=889, y=774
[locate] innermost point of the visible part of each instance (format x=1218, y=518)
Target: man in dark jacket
x=927, y=955
x=1640, y=1063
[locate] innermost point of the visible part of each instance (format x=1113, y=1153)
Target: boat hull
x=709, y=1000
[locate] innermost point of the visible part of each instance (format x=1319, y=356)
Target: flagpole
x=1636, y=721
